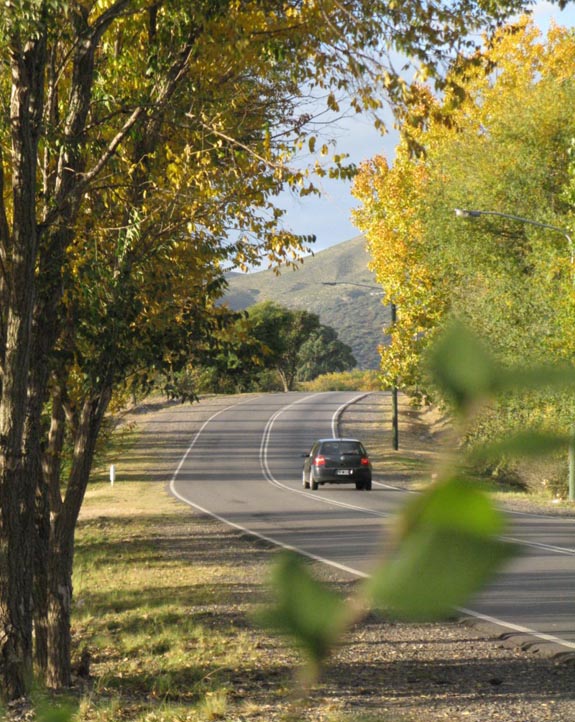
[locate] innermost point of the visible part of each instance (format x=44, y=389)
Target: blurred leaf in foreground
x=462, y=367
x=455, y=504
x=466, y=372
x=448, y=549
x=305, y=609
x=559, y=376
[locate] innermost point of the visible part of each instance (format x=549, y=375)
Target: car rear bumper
x=331, y=477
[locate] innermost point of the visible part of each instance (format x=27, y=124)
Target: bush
x=546, y=412
x=355, y=380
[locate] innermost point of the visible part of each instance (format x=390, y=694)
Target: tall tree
x=502, y=144
x=398, y=240
x=323, y=353
x=26, y=58
x=282, y=333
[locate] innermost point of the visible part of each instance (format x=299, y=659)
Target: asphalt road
x=244, y=467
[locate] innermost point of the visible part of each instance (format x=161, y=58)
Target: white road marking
x=518, y=628
x=266, y=471
x=336, y=565
x=239, y=527
x=338, y=412
x=540, y=545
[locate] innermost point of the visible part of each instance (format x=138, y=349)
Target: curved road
x=244, y=467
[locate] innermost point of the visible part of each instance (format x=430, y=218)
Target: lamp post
x=394, y=401
x=466, y=213
x=394, y=404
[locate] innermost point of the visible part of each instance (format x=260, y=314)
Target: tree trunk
x=40, y=588
x=16, y=487
x=43, y=339
x=58, y=673
x=58, y=668
x=47, y=496
x=283, y=378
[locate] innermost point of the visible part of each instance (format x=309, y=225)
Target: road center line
x=336, y=565
x=270, y=478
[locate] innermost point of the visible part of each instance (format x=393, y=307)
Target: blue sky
x=329, y=217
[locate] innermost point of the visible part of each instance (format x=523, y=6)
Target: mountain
x=355, y=312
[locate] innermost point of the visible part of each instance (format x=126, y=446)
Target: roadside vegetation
x=355, y=380
x=268, y=348
x=499, y=142
x=160, y=612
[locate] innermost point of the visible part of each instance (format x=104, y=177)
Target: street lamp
x=466, y=213
x=394, y=401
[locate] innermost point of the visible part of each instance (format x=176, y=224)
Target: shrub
x=355, y=380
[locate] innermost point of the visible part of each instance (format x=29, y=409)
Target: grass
x=165, y=628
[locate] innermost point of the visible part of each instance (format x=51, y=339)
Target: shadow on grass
x=379, y=668
x=189, y=684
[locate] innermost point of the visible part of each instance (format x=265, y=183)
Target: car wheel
x=305, y=482
x=367, y=485
x=359, y=485
x=314, y=484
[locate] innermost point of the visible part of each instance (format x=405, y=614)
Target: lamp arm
x=462, y=212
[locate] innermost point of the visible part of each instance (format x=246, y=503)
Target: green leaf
x=462, y=367
x=449, y=546
x=435, y=571
x=538, y=377
x=305, y=609
x=455, y=504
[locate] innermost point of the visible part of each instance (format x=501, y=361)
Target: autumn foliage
x=501, y=143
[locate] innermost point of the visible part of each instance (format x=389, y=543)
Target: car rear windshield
x=334, y=448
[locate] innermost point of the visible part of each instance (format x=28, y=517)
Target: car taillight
x=364, y=461
x=319, y=461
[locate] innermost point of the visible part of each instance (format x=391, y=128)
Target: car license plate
x=344, y=472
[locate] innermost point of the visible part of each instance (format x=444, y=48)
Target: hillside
x=356, y=313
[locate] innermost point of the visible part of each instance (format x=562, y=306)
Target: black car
x=337, y=461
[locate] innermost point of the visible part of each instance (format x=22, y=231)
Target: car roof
x=336, y=438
